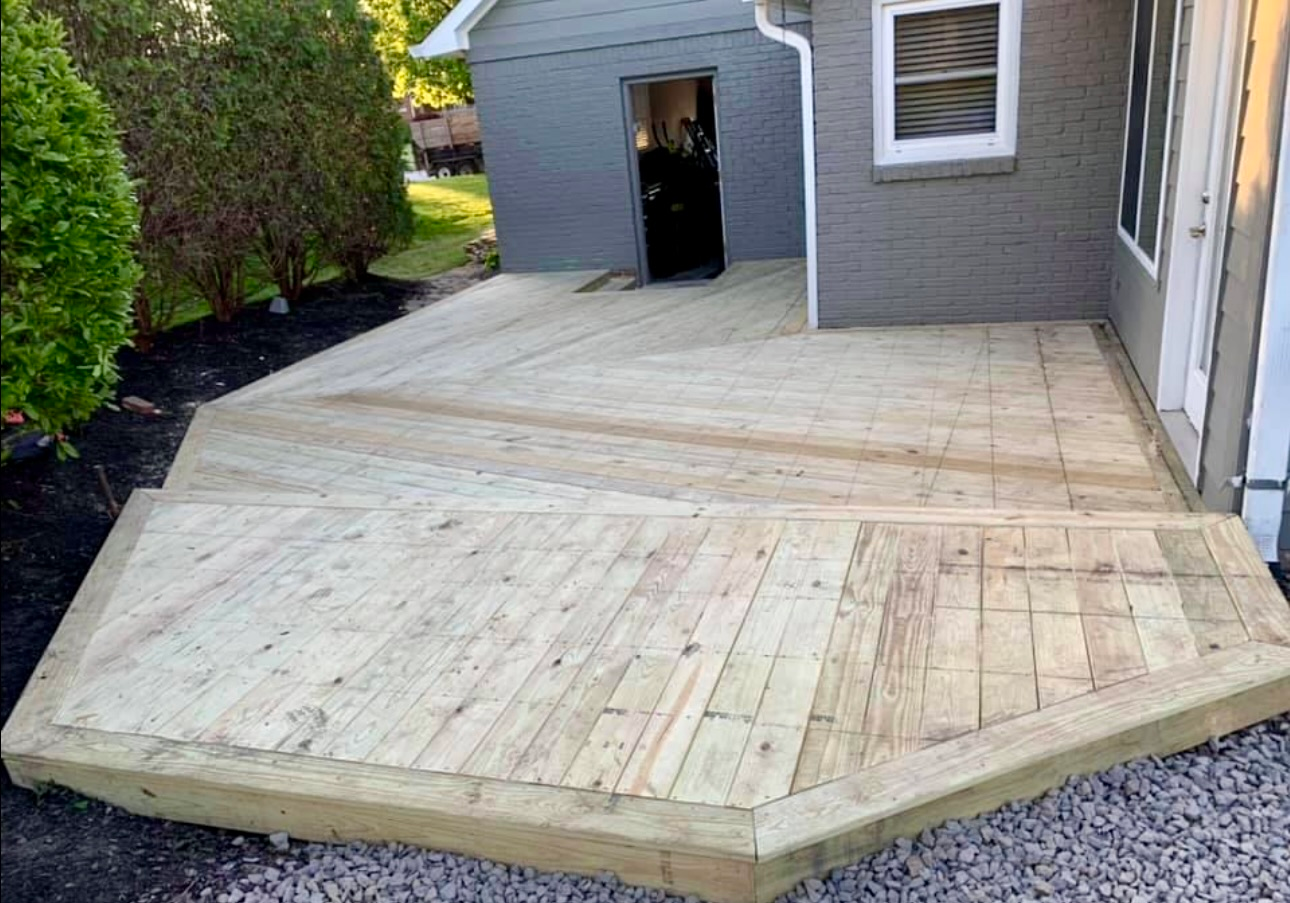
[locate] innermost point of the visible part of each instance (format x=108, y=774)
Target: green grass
x=448, y=213
x=259, y=290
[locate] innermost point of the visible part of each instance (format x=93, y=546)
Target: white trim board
x=1269, y=449
x=1002, y=142
x=1212, y=66
x=452, y=35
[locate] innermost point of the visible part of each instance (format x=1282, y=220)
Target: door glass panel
x=1146, y=154
x=1155, y=154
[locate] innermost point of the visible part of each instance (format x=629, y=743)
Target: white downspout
x=1265, y=465
x=802, y=45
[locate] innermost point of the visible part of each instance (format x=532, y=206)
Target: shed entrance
x=674, y=134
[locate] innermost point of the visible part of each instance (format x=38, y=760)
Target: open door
x=678, y=176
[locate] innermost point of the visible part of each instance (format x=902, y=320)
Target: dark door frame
x=643, y=275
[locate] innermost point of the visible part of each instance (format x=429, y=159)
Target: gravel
x=1210, y=824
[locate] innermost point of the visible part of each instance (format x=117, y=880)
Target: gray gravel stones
x=1211, y=825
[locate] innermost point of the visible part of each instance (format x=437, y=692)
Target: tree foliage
x=154, y=62
x=67, y=270
x=319, y=125
x=254, y=127
x=430, y=83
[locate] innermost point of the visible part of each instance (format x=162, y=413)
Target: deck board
x=652, y=582
x=522, y=386
x=642, y=650
x=467, y=633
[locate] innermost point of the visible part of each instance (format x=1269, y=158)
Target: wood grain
x=651, y=582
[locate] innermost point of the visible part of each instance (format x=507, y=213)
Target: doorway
x=672, y=124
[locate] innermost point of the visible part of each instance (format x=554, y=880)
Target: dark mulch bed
x=53, y=520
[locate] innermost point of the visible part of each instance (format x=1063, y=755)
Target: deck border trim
x=616, y=503
x=727, y=854
x=1157, y=714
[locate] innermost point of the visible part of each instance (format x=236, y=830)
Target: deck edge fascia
x=33, y=715
x=812, y=832
x=684, y=848
x=187, y=460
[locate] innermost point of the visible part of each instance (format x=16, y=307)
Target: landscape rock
x=1147, y=832
x=137, y=405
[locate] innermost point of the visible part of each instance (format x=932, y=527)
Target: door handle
x=1198, y=231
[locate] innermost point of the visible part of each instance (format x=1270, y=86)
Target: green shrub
x=362, y=211
x=151, y=61
x=67, y=270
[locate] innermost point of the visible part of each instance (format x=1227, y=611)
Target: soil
x=55, y=847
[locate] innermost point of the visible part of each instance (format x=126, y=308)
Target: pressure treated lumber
x=1176, y=708
x=652, y=582
x=522, y=387
x=663, y=689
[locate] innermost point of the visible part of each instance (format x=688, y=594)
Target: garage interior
x=674, y=125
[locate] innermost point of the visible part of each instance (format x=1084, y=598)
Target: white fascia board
x=451, y=36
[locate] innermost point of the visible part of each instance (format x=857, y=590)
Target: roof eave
x=451, y=37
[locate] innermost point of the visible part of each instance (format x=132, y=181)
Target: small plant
x=492, y=261
x=67, y=267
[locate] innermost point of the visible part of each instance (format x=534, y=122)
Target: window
x=1146, y=131
x=945, y=79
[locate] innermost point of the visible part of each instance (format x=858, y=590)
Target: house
x=936, y=161
x=668, y=583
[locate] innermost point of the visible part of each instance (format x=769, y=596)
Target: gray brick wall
x=556, y=149
x=1034, y=243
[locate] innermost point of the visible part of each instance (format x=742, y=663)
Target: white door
x=1205, y=173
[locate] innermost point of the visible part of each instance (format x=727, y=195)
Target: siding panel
x=1245, y=260
x=532, y=27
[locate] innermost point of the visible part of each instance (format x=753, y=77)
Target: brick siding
x=1031, y=244
x=556, y=149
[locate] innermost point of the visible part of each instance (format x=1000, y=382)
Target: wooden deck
x=651, y=583
x=523, y=387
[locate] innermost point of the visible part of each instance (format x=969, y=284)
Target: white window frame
x=1150, y=264
x=1002, y=142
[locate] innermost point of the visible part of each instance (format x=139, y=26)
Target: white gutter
x=802, y=45
x=1265, y=465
